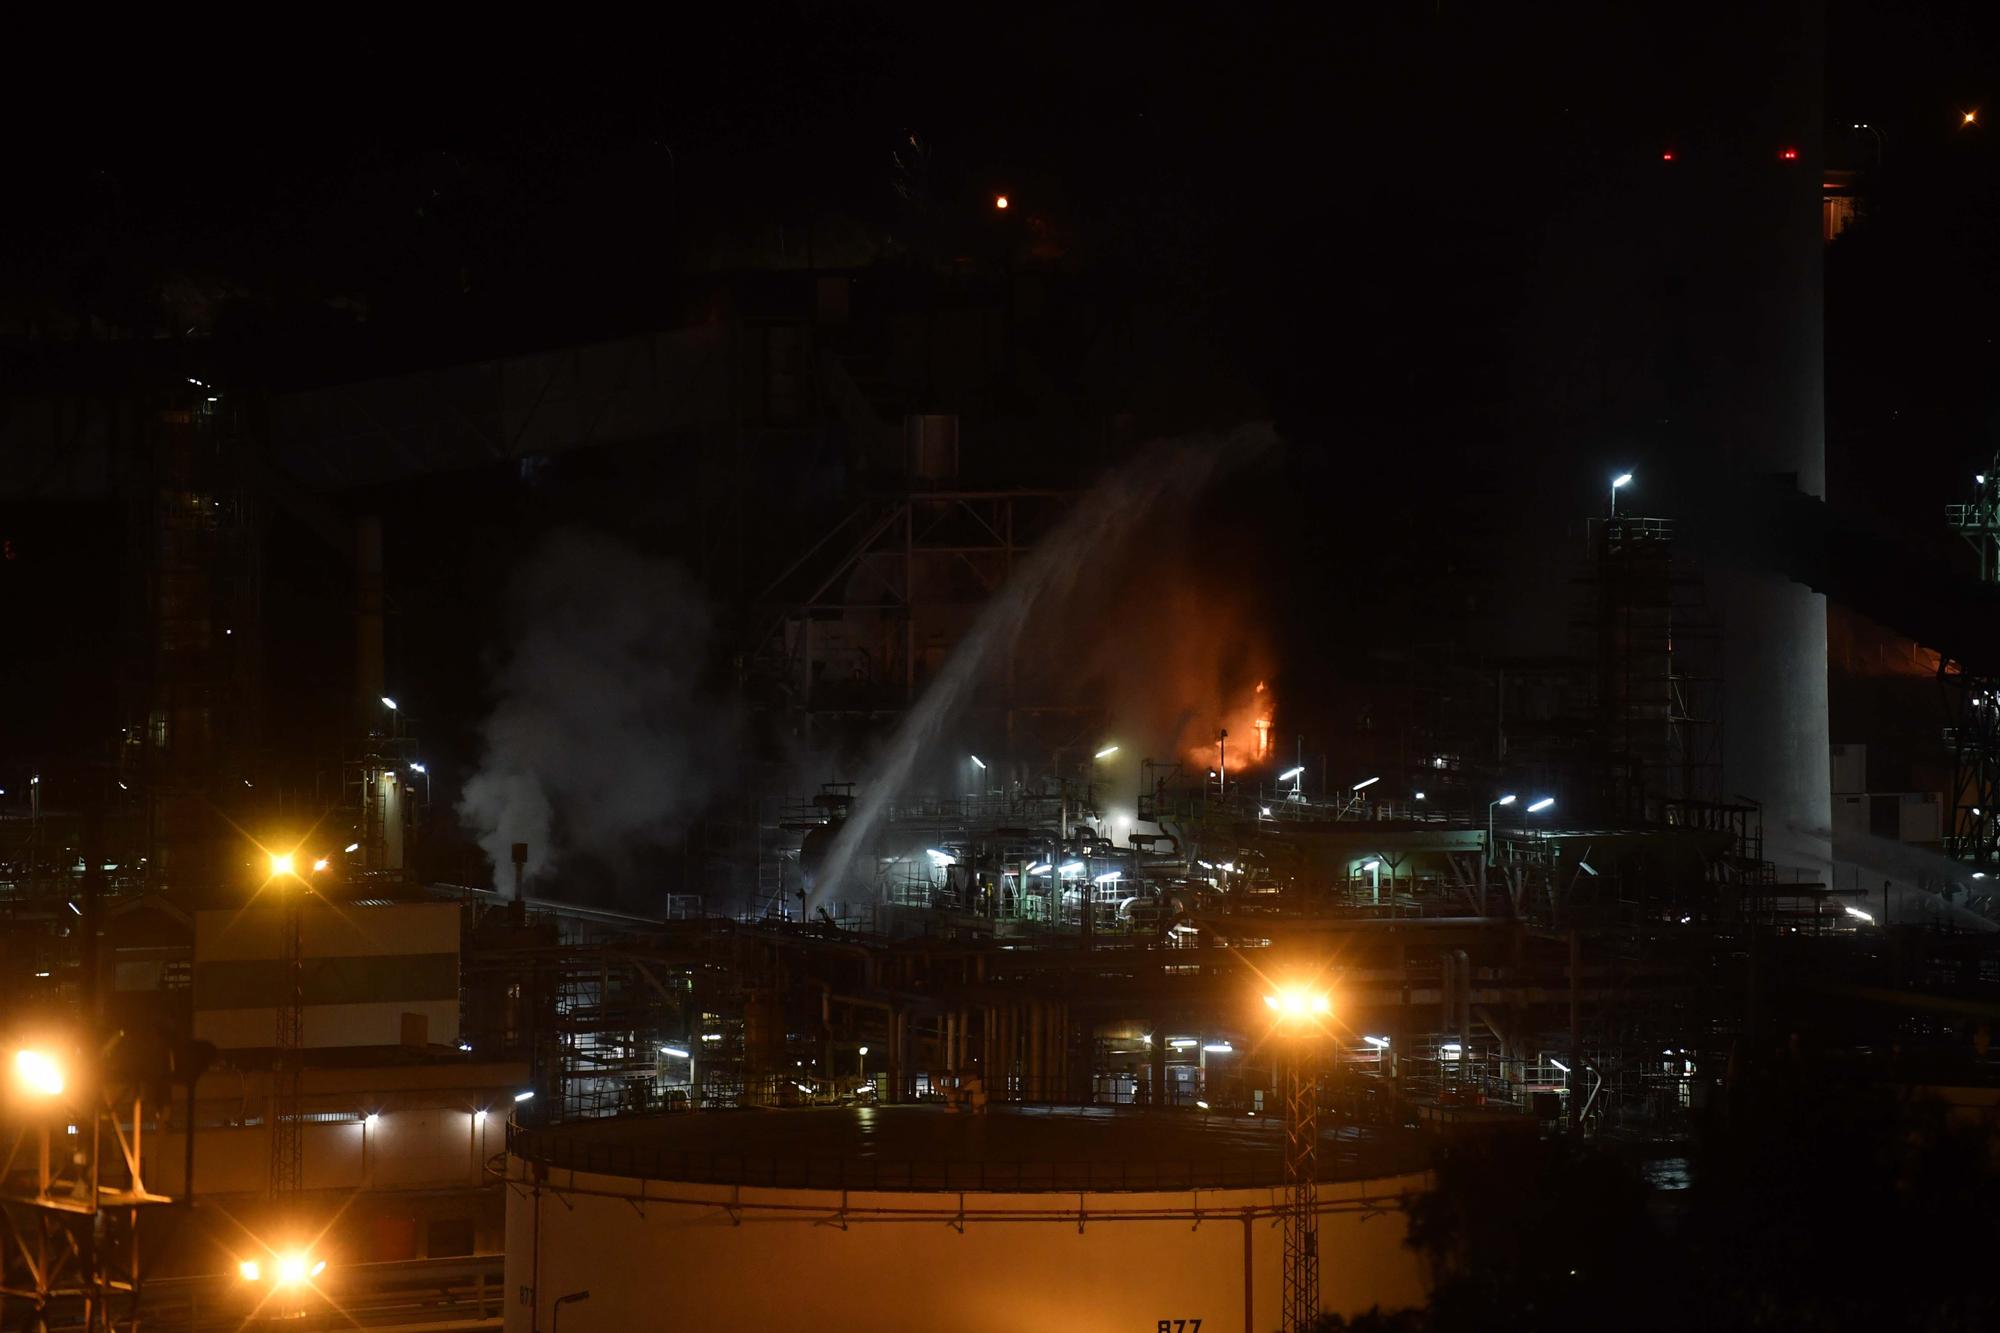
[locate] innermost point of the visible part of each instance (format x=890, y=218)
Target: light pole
x=1299, y=1016
x=1491, y=806
x=1622, y=479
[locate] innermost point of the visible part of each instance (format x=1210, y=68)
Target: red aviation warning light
x=1789, y=155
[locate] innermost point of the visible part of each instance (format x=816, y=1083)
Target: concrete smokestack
x=1766, y=399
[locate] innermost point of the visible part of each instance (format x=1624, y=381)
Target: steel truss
x=69, y=1228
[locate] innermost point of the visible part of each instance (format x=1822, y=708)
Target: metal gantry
x=286, y=1142
x=1301, y=1093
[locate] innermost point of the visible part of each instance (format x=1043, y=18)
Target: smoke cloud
x=603, y=740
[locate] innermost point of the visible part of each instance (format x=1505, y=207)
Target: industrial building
x=937, y=861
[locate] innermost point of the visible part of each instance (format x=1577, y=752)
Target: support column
x=1037, y=1021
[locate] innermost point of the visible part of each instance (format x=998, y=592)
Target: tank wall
x=689, y=1265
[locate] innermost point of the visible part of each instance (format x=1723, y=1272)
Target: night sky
x=1350, y=222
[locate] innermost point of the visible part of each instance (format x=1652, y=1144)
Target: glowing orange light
x=1296, y=1002
x=1000, y=201
x=1970, y=116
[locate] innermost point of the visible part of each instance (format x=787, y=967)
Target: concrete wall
x=782, y=1259
x=364, y=968
x=430, y=1148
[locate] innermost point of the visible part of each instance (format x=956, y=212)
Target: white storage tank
x=893, y=1218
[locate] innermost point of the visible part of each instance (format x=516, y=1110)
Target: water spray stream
x=1102, y=522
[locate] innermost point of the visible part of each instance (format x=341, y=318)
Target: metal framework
x=1657, y=661
x=1301, y=1093
x=1972, y=832
x=69, y=1230
x=287, y=1151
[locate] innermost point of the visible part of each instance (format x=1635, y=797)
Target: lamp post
x=1491, y=806
x=1299, y=1017
x=1621, y=480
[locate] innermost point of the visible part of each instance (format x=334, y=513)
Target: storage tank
x=894, y=1218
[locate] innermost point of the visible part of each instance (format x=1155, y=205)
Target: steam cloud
x=602, y=740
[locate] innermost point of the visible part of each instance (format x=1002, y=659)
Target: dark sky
x=1354, y=206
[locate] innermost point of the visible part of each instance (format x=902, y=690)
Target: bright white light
x=1205, y=865
x=1202, y=1105
x=1264, y=811
x=527, y=1096
x=1371, y=865
x=388, y=703
x=353, y=847
x=711, y=1036
x=1183, y=1043
x=1620, y=480
x=1291, y=773
x=38, y=1072
x=465, y=1046
x=864, y=1050
x=1451, y=1050
x=1508, y=799
x=1587, y=868
x=1977, y=874
x=1979, y=477
x=317, y=1269
x=1379, y=1043
x=1039, y=868
x=292, y=1269
x=320, y=864
x=418, y=768
x=1108, y=877
x=1071, y=868
x=371, y=1120
x=979, y=763
x=942, y=858
x=675, y=1051
x=1219, y=1048
x=281, y=863
x=1560, y=1065
x=74, y=908
x=479, y=1116
x=1541, y=805
x=250, y=1270
x=1419, y=796
x=1860, y=915
x=1106, y=752
x=1366, y=782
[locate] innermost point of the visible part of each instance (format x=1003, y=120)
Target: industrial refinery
x=976, y=741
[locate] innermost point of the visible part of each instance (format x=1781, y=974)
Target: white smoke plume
x=603, y=740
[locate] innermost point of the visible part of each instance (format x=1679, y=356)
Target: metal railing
x=645, y=1161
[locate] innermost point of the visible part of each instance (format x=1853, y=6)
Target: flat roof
x=1006, y=1149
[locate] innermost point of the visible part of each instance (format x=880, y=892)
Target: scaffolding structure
x=1656, y=650
x=1972, y=833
